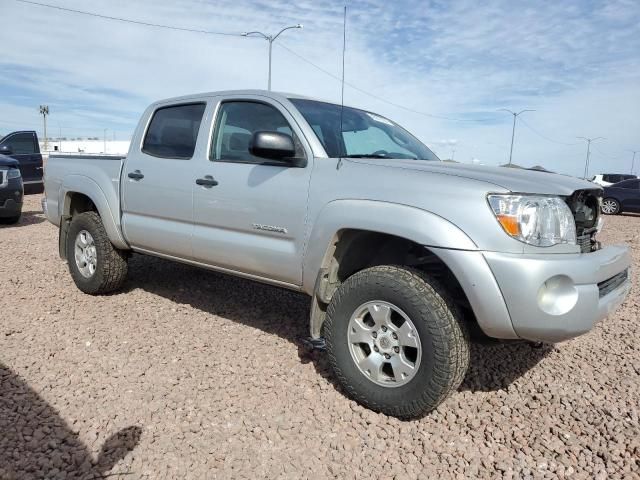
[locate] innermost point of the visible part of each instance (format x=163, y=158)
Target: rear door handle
x=136, y=175
x=208, y=181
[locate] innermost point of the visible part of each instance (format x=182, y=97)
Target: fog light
x=558, y=295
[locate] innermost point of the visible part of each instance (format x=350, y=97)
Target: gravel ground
x=191, y=374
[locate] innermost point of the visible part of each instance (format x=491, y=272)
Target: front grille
x=612, y=283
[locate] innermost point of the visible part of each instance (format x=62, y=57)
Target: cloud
x=576, y=63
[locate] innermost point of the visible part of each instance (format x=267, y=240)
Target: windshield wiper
x=364, y=155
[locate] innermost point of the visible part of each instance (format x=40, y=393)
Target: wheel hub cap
x=609, y=206
x=85, y=254
x=384, y=344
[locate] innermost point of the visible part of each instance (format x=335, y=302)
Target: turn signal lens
x=510, y=224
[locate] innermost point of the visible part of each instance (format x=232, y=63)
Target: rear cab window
x=173, y=131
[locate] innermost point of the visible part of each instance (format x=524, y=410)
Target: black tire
x=616, y=210
x=443, y=336
x=10, y=220
x=111, y=266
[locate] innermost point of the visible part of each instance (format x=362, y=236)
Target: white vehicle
x=606, y=179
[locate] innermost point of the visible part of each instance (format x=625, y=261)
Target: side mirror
x=5, y=150
x=272, y=145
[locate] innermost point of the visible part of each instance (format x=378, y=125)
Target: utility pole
x=513, y=131
x=44, y=111
x=586, y=162
x=270, y=39
x=633, y=160
x=453, y=153
x=104, y=137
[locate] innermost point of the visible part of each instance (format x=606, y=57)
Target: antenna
x=344, y=48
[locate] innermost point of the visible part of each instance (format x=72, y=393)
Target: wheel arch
x=80, y=194
x=377, y=234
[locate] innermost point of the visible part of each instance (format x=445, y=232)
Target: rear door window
x=21, y=143
x=173, y=131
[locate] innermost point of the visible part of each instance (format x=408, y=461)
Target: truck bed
x=99, y=173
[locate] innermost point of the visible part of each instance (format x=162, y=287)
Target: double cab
x=401, y=254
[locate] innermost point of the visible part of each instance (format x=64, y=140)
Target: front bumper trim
x=552, y=298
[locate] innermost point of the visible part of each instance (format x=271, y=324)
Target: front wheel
x=395, y=341
x=96, y=266
x=610, y=206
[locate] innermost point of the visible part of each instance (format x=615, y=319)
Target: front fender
x=420, y=226
x=86, y=186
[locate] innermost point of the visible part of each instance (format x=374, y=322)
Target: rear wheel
x=610, y=206
x=96, y=266
x=395, y=341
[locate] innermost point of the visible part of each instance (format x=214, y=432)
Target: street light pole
x=513, y=131
x=586, y=162
x=633, y=160
x=270, y=39
x=44, y=111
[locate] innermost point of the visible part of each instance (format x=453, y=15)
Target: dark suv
x=11, y=190
x=23, y=146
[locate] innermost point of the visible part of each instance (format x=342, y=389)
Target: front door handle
x=136, y=175
x=208, y=181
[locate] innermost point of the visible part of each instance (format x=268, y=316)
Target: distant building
x=115, y=147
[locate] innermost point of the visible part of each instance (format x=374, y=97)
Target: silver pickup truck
x=401, y=254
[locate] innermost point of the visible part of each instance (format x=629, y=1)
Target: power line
x=372, y=95
x=209, y=32
x=127, y=20
x=605, y=155
x=229, y=34
x=545, y=137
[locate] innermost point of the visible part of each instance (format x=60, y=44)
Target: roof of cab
x=263, y=93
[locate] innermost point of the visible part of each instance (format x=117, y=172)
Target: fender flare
x=420, y=226
x=86, y=186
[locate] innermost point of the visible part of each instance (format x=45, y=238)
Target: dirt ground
x=193, y=374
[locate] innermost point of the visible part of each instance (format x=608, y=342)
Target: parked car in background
x=11, y=190
x=401, y=254
x=23, y=146
x=606, y=179
x=621, y=197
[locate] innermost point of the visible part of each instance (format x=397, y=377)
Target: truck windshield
x=364, y=134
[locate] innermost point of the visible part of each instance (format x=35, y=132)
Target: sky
x=442, y=69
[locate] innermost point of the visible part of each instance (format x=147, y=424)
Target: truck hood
x=512, y=179
x=8, y=162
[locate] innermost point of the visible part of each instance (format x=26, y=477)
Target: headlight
x=535, y=219
x=14, y=173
